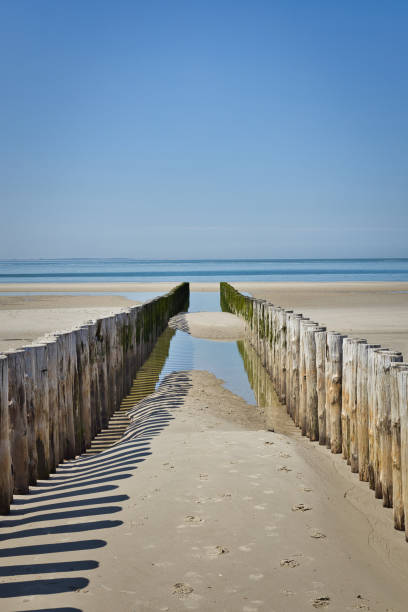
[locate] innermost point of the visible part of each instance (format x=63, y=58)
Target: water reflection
x=265, y=394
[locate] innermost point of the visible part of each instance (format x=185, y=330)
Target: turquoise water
x=138, y=270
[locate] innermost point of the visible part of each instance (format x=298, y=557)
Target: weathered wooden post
x=363, y=352
x=403, y=409
x=397, y=407
x=6, y=481
x=284, y=353
x=101, y=359
x=41, y=408
x=383, y=426
x=333, y=366
x=53, y=408
x=320, y=339
x=303, y=420
x=94, y=379
x=309, y=346
x=345, y=398
x=18, y=421
x=372, y=411
x=295, y=376
x=289, y=390
x=84, y=389
x=269, y=361
x=29, y=383
x=353, y=425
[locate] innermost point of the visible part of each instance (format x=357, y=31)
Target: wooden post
x=303, y=420
x=72, y=394
x=295, y=376
x=18, y=421
x=353, y=422
x=29, y=380
x=276, y=356
x=397, y=407
x=320, y=339
x=41, y=408
x=345, y=398
x=284, y=353
x=53, y=408
x=84, y=387
x=6, y=482
x=383, y=423
x=372, y=410
x=311, y=381
x=363, y=352
x=403, y=407
x=334, y=352
x=269, y=360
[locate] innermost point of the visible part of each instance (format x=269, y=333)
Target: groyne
x=56, y=396
x=343, y=392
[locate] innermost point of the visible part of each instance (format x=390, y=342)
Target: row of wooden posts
x=343, y=392
x=57, y=395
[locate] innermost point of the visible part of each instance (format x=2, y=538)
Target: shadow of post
x=74, y=492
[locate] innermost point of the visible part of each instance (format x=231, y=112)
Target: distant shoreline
x=90, y=287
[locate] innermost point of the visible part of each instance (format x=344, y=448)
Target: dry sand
x=24, y=319
x=373, y=310
x=202, y=509
x=377, y=311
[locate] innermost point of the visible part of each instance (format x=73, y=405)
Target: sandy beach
x=203, y=509
x=377, y=311
x=24, y=319
x=202, y=506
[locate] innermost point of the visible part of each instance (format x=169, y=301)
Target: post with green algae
x=349, y=395
x=63, y=391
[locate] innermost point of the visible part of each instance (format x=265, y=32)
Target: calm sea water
x=109, y=270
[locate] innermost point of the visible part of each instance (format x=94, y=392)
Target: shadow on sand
x=79, y=490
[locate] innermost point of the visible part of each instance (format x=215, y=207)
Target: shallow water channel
x=234, y=362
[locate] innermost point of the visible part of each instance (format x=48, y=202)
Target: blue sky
x=203, y=129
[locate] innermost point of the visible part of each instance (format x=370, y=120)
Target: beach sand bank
x=372, y=310
x=377, y=311
x=24, y=319
x=203, y=509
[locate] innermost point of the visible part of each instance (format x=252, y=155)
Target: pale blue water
x=109, y=270
x=220, y=358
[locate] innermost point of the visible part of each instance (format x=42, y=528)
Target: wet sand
x=201, y=508
x=210, y=325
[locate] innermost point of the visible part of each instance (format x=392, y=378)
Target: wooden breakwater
x=56, y=396
x=343, y=392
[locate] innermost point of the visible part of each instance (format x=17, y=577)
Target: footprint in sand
x=321, y=602
x=301, y=507
x=284, y=468
x=315, y=533
x=182, y=590
x=268, y=442
x=284, y=455
x=193, y=519
x=289, y=563
x=216, y=551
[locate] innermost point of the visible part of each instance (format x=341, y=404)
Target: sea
x=196, y=270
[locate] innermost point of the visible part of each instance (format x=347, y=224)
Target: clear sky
x=203, y=128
